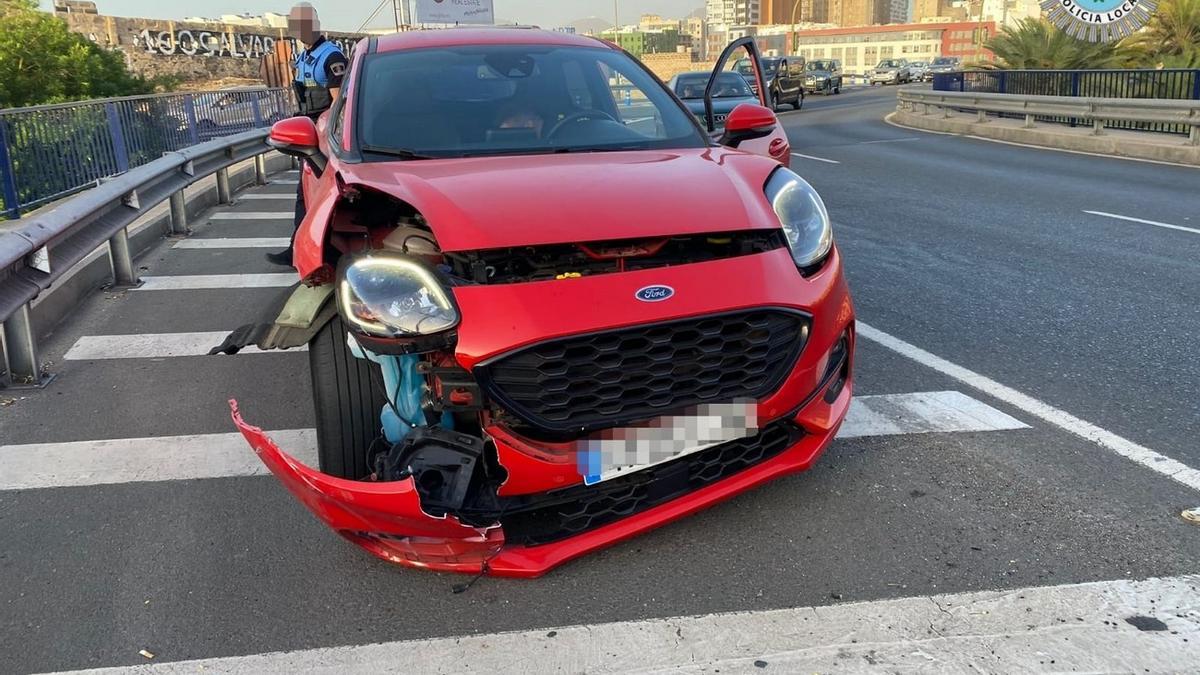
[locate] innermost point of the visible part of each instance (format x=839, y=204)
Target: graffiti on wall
x=211, y=43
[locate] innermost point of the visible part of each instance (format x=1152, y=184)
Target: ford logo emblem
x=654, y=293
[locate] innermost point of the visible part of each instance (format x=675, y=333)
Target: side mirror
x=748, y=122
x=297, y=136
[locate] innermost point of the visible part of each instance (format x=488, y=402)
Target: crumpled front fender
x=383, y=517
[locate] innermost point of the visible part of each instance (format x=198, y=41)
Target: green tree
x=1171, y=39
x=41, y=61
x=1037, y=44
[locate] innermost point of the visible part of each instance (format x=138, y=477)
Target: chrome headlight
x=390, y=295
x=803, y=215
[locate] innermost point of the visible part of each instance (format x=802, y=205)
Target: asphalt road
x=975, y=251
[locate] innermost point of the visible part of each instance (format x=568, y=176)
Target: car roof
x=491, y=35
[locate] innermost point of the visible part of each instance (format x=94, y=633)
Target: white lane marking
x=209, y=281
x=252, y=215
x=154, y=346
x=890, y=140
x=1145, y=222
x=816, y=159
x=1140, y=454
x=921, y=413
x=44, y=465
x=138, y=460
x=268, y=195
x=240, y=242
x=285, y=181
x=1081, y=627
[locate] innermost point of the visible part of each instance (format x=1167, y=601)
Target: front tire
x=799, y=101
x=348, y=398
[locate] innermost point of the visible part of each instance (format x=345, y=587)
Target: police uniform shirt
x=319, y=68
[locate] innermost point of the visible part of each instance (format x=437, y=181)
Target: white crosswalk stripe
x=236, y=242
x=1078, y=627
x=266, y=195
x=252, y=215
x=211, y=281
x=154, y=346
x=136, y=460
x=45, y=465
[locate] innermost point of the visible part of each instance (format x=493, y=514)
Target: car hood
x=499, y=202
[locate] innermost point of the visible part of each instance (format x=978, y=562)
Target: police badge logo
x=1098, y=20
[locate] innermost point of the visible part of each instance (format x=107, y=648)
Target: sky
x=348, y=15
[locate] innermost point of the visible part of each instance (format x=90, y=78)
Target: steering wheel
x=578, y=116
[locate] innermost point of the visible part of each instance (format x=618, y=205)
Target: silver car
x=917, y=70
x=891, y=71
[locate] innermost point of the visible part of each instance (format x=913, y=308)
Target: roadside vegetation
x=1170, y=40
x=41, y=61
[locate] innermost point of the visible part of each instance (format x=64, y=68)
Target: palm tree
x=1171, y=39
x=1037, y=44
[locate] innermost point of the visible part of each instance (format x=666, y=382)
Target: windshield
x=729, y=85
x=514, y=99
x=889, y=63
x=744, y=67
x=944, y=61
x=820, y=65
x=917, y=64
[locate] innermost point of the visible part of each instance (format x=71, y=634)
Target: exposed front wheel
x=348, y=398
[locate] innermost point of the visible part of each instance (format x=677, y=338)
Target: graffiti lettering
x=204, y=43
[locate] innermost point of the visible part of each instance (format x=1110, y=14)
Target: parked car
x=917, y=71
x=731, y=90
x=823, y=75
x=534, y=328
x=942, y=64
x=891, y=71
x=238, y=109
x=785, y=80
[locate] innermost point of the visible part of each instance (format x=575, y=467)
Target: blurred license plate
x=618, y=452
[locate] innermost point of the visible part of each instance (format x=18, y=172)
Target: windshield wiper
x=402, y=153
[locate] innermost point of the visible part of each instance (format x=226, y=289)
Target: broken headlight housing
x=387, y=294
x=803, y=216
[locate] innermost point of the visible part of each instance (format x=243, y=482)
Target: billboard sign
x=455, y=11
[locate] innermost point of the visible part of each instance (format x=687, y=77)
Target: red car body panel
x=473, y=204
x=482, y=203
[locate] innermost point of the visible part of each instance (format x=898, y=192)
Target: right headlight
x=803, y=216
x=387, y=294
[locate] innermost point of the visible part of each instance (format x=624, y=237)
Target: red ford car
x=546, y=308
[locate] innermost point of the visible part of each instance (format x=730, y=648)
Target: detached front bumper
x=796, y=423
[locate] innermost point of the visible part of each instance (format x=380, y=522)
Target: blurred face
x=303, y=24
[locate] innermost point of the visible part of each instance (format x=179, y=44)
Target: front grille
x=577, y=509
x=608, y=379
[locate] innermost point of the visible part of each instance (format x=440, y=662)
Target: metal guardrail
x=1128, y=83
x=52, y=151
x=1095, y=111
x=36, y=252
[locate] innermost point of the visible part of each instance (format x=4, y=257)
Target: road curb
x=1130, y=144
x=95, y=271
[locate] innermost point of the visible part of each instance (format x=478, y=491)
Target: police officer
x=320, y=67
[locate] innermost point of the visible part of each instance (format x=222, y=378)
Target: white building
x=733, y=12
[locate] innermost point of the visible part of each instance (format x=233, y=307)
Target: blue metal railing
x=49, y=152
x=1166, y=83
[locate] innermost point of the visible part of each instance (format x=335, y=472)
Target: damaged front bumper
x=387, y=518
x=544, y=513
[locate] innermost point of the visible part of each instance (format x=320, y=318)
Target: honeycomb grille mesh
x=579, y=509
x=617, y=377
